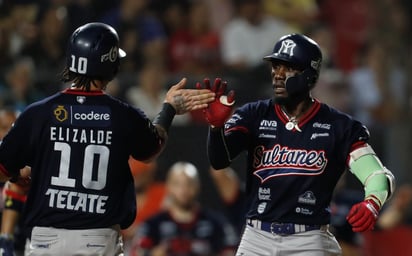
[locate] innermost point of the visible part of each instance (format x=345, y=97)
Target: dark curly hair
x=79, y=81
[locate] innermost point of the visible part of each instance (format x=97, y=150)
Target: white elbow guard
x=391, y=181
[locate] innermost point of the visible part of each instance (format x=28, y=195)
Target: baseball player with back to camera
x=297, y=149
x=78, y=142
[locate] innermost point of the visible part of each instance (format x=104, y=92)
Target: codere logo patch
x=89, y=116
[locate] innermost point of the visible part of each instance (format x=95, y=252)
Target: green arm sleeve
x=369, y=170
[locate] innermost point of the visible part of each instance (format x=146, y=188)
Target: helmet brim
x=278, y=58
x=274, y=57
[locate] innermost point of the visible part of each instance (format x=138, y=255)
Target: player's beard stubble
x=290, y=100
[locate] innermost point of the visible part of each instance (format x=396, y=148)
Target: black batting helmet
x=300, y=51
x=94, y=51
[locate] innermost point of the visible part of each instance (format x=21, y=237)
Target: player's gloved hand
x=6, y=246
x=362, y=216
x=220, y=109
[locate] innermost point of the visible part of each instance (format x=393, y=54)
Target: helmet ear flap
x=311, y=77
x=302, y=82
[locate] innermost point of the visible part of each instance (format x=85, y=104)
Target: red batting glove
x=362, y=216
x=220, y=109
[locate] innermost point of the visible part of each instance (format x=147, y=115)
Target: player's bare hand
x=186, y=100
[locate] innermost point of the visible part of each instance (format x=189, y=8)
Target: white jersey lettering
x=80, y=135
x=75, y=201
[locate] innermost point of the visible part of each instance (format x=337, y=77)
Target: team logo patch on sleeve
x=89, y=116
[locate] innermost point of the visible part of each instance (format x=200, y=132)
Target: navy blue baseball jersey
x=78, y=145
x=208, y=234
x=291, y=170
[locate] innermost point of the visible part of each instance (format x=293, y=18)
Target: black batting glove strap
x=165, y=116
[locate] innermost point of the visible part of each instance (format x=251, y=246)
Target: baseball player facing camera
x=297, y=149
x=78, y=143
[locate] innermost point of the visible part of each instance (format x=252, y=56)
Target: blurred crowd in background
x=366, y=45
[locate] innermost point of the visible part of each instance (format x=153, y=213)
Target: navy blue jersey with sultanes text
x=292, y=173
x=78, y=144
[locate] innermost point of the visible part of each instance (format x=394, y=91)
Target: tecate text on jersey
x=76, y=201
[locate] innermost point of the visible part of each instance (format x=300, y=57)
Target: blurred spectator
x=249, y=36
x=5, y=55
x=19, y=91
x=150, y=90
x=378, y=93
x=150, y=195
x=350, y=22
x=232, y=192
x=20, y=23
x=194, y=49
x=398, y=212
x=394, y=35
x=185, y=227
x=323, y=35
x=377, y=88
x=221, y=12
x=298, y=13
x=142, y=33
x=80, y=12
x=48, y=48
x=333, y=89
x=171, y=13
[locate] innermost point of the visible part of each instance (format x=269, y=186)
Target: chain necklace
x=292, y=122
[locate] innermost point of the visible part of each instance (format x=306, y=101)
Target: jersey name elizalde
x=80, y=135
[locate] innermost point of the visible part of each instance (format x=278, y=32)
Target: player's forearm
x=9, y=221
x=217, y=149
x=162, y=123
x=377, y=180
x=223, y=147
x=163, y=139
x=14, y=199
x=165, y=117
